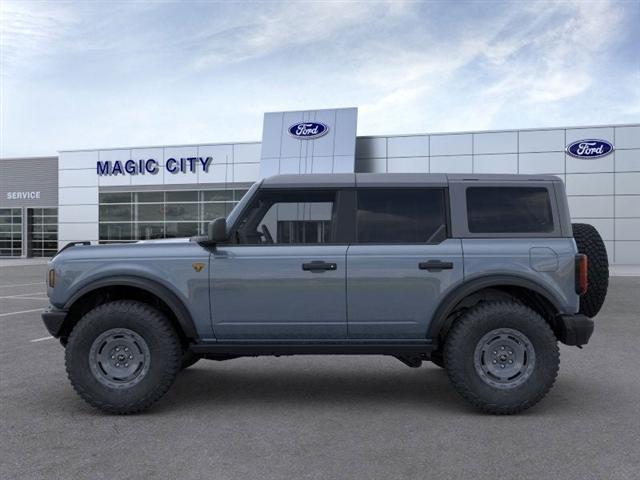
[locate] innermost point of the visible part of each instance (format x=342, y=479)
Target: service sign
x=308, y=130
x=23, y=195
x=589, y=148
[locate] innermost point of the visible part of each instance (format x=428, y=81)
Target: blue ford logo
x=308, y=130
x=590, y=148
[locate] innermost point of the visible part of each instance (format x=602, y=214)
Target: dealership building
x=132, y=193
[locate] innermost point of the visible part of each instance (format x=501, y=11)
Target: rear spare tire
x=589, y=242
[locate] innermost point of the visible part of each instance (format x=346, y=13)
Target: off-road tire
x=165, y=355
x=589, y=242
x=188, y=358
x=468, y=332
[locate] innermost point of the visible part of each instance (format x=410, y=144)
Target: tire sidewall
x=134, y=316
x=459, y=354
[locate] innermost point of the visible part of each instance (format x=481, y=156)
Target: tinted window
x=509, y=210
x=289, y=218
x=401, y=216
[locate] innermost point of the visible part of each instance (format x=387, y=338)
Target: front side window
x=287, y=218
x=509, y=210
x=401, y=216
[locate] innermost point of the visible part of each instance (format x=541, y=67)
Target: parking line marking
x=41, y=339
x=23, y=311
x=21, y=285
x=25, y=297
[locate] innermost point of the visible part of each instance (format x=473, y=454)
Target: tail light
x=582, y=280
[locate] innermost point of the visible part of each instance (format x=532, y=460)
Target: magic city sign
x=589, y=148
x=151, y=166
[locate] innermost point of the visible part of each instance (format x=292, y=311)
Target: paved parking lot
x=317, y=417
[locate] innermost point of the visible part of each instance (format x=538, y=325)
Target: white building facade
x=126, y=194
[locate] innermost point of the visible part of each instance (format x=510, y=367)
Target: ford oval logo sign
x=308, y=130
x=590, y=148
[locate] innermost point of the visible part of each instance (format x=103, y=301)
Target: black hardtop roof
x=336, y=180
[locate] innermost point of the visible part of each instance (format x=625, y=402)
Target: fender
x=171, y=299
x=467, y=288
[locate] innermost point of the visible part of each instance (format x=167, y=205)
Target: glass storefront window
x=182, y=212
x=182, y=196
x=149, y=231
x=150, y=213
x=115, y=231
x=181, y=229
x=217, y=195
x=149, y=197
x=10, y=232
x=115, y=197
x=42, y=230
x=131, y=216
x=115, y=213
x=211, y=211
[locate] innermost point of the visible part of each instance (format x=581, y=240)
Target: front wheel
x=123, y=356
x=502, y=357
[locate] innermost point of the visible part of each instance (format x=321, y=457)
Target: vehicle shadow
x=295, y=386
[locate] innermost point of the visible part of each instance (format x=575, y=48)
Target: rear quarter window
x=509, y=210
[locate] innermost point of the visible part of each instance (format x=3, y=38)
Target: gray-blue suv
x=479, y=274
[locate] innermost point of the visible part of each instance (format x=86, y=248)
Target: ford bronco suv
x=480, y=274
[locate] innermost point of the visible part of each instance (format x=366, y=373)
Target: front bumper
x=54, y=319
x=574, y=329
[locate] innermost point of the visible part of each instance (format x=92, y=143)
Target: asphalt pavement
x=312, y=417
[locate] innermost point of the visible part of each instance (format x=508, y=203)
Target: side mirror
x=217, y=230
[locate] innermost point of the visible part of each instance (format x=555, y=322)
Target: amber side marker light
x=52, y=278
x=582, y=280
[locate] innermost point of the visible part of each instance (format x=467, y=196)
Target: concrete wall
x=28, y=182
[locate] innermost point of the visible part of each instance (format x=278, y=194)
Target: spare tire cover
x=589, y=242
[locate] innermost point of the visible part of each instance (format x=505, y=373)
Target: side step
x=407, y=350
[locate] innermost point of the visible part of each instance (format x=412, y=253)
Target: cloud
x=299, y=28
x=30, y=30
x=540, y=55
x=80, y=74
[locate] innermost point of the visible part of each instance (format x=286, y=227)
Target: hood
x=113, y=251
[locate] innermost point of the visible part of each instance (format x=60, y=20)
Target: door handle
x=319, y=266
x=435, y=265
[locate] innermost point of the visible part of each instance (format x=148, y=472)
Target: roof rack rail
x=72, y=244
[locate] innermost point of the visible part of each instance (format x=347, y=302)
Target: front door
x=283, y=275
x=401, y=263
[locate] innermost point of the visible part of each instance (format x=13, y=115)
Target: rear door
x=401, y=262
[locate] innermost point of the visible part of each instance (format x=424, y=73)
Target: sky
x=96, y=74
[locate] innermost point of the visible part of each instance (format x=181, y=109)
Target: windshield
x=233, y=215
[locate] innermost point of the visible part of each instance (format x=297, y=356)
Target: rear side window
x=401, y=216
x=509, y=210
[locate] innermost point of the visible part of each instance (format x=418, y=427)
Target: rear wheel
x=502, y=357
x=123, y=356
x=589, y=242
